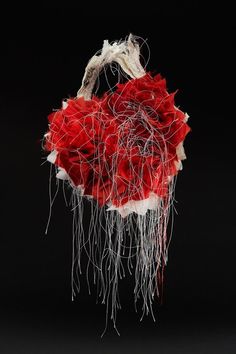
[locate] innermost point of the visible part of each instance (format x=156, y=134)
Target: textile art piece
x=119, y=153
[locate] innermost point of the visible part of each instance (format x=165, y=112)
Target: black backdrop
x=44, y=52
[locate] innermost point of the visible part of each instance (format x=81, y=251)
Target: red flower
x=123, y=145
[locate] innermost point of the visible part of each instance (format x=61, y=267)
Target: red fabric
x=100, y=142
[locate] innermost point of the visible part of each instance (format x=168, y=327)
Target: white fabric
x=186, y=117
x=61, y=174
x=52, y=156
x=64, y=104
x=125, y=53
x=137, y=206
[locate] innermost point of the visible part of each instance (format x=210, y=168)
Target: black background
x=44, y=51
